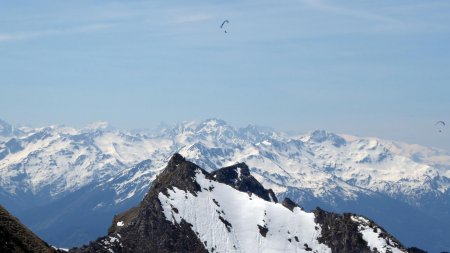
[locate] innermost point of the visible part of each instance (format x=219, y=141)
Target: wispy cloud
x=4, y=37
x=363, y=14
x=193, y=18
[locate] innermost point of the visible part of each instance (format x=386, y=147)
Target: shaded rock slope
x=15, y=237
x=190, y=210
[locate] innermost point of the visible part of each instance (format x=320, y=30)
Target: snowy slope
x=341, y=172
x=227, y=220
x=54, y=161
x=245, y=215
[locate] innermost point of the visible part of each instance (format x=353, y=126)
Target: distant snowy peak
x=194, y=126
x=212, y=124
x=7, y=130
x=99, y=125
x=217, y=130
x=320, y=136
x=188, y=209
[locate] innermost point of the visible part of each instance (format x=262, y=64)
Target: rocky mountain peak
x=7, y=130
x=176, y=160
x=238, y=176
x=99, y=125
x=145, y=228
x=213, y=122
x=178, y=173
x=320, y=136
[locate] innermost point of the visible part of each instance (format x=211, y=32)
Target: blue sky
x=369, y=68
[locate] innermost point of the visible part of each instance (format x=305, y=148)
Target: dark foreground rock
x=15, y=237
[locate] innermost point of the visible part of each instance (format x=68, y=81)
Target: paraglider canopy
x=440, y=124
x=223, y=24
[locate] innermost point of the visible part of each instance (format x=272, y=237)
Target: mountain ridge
x=15, y=237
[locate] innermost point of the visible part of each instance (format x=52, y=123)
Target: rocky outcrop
x=342, y=233
x=289, y=204
x=238, y=176
x=417, y=250
x=15, y=237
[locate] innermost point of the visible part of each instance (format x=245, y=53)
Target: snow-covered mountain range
x=48, y=173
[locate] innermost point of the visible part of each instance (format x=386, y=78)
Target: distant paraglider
x=440, y=124
x=223, y=24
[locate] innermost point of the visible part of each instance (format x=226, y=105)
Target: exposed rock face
x=15, y=237
x=289, y=204
x=238, y=176
x=187, y=206
x=417, y=250
x=342, y=232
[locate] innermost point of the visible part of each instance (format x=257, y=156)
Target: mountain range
x=67, y=184
x=188, y=209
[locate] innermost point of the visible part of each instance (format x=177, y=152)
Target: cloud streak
x=193, y=18
x=322, y=6
x=15, y=36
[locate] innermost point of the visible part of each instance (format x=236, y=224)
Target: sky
x=367, y=68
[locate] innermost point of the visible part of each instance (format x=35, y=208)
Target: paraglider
x=440, y=124
x=223, y=23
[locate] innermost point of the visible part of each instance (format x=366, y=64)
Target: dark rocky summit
x=146, y=228
x=15, y=237
x=238, y=176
